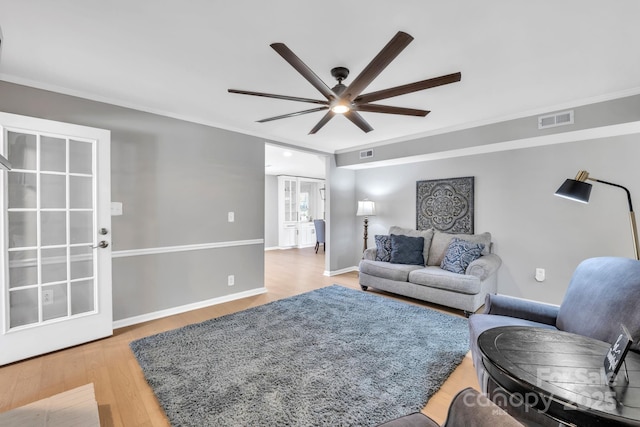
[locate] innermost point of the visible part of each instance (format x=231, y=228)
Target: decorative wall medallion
x=445, y=204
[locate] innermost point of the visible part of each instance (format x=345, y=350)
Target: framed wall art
x=445, y=204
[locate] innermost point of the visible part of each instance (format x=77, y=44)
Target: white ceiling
x=179, y=58
x=285, y=161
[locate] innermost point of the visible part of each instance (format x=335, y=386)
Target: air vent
x=366, y=154
x=557, y=119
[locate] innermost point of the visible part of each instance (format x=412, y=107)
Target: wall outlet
x=231, y=216
x=231, y=280
x=47, y=297
x=540, y=274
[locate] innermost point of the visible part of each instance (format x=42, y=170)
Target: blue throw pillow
x=383, y=248
x=460, y=254
x=407, y=250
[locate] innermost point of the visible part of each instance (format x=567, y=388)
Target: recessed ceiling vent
x=366, y=154
x=556, y=119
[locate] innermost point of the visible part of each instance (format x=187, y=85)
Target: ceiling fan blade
x=285, y=97
x=379, y=63
x=323, y=121
x=298, y=113
x=408, y=88
x=373, y=108
x=303, y=69
x=358, y=120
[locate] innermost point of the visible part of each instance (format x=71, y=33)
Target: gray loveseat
x=428, y=282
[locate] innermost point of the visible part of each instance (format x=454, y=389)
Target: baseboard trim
x=184, y=308
x=341, y=271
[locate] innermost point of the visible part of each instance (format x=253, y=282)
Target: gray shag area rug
x=330, y=357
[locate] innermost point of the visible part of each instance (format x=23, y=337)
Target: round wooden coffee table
x=562, y=375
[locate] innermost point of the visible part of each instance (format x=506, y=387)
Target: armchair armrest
x=485, y=266
x=370, y=254
x=503, y=305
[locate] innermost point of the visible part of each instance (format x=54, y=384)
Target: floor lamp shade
x=575, y=190
x=579, y=190
x=366, y=208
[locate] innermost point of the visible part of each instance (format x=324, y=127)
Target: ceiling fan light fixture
x=340, y=108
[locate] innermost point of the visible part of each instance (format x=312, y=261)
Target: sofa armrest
x=534, y=311
x=370, y=254
x=485, y=266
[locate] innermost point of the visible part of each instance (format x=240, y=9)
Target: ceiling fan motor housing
x=340, y=73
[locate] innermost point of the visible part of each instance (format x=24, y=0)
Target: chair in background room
x=319, y=224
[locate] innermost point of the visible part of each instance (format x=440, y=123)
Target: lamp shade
x=575, y=190
x=366, y=208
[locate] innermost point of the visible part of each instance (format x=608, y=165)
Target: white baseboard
x=272, y=248
x=184, y=308
x=341, y=271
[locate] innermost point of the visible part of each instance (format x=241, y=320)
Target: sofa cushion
x=386, y=270
x=427, y=235
x=383, y=248
x=435, y=277
x=407, y=250
x=440, y=244
x=460, y=254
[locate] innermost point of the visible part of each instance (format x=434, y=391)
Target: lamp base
x=366, y=235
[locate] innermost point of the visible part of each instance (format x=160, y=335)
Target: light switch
x=231, y=216
x=116, y=208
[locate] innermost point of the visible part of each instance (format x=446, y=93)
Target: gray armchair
x=603, y=293
x=468, y=409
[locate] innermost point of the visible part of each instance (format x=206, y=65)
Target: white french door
x=56, y=229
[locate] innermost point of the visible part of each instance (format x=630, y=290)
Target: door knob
x=103, y=244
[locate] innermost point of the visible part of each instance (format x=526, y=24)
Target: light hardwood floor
x=123, y=396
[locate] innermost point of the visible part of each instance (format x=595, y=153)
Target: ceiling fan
x=347, y=100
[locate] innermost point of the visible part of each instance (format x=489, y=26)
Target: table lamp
x=366, y=208
x=579, y=190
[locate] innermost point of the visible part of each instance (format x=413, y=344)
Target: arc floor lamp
x=579, y=190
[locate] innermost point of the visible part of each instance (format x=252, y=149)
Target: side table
x=561, y=375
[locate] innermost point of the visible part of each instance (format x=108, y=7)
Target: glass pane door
x=51, y=221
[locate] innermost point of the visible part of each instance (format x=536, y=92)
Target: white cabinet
x=288, y=188
x=288, y=235
x=299, y=203
x=306, y=234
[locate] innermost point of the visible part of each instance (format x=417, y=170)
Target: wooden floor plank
x=123, y=396
x=74, y=408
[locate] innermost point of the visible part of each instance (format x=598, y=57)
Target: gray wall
x=177, y=181
x=342, y=238
x=617, y=112
x=514, y=201
x=271, y=212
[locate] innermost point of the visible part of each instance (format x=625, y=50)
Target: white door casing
x=54, y=215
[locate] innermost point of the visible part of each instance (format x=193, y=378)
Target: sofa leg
x=363, y=287
x=467, y=313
